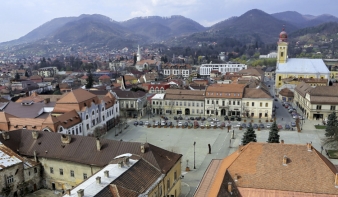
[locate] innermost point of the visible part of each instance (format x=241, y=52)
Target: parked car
x=212, y=124
x=255, y=126
x=198, y=118
x=215, y=120
x=146, y=123
x=163, y=123
x=209, y=119
x=185, y=124
x=226, y=118
x=203, y=118
x=202, y=124
x=300, y=117
x=293, y=124
x=169, y=123
x=207, y=124
x=135, y=123
x=140, y=123
x=175, y=117
x=190, y=124
x=268, y=126
x=276, y=99
x=243, y=125
x=261, y=126
x=238, y=125
x=287, y=127
x=280, y=127
x=218, y=124
x=157, y=123
x=232, y=118
x=192, y=118
x=179, y=124
x=294, y=116
x=239, y=118
x=223, y=124
x=180, y=118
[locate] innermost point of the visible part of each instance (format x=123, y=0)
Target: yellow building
x=70, y=160
x=296, y=69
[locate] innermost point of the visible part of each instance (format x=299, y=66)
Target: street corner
x=185, y=189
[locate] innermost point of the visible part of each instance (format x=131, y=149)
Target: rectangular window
x=132, y=105
x=176, y=103
x=234, y=102
x=193, y=111
x=197, y=111
x=201, y=111
x=216, y=102
x=61, y=171
x=180, y=103
x=201, y=105
x=247, y=104
x=253, y=104
x=212, y=102
x=10, y=179
x=197, y=105
x=168, y=184
x=333, y=108
x=260, y=104
x=189, y=104
x=207, y=101
x=229, y=102
x=175, y=175
x=185, y=104
x=51, y=170
x=193, y=104
x=266, y=104
x=319, y=107
x=71, y=173
x=238, y=102
x=85, y=176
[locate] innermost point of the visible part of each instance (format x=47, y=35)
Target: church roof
x=303, y=66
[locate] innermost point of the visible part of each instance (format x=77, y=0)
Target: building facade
x=206, y=69
x=182, y=70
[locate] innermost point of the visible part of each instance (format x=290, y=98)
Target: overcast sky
x=18, y=17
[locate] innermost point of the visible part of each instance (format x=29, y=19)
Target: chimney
x=5, y=135
x=142, y=149
x=126, y=161
x=336, y=180
x=35, y=135
x=236, y=177
x=120, y=164
x=106, y=173
x=65, y=139
x=98, y=180
x=98, y=144
x=68, y=192
x=47, y=100
x=309, y=147
x=80, y=193
x=285, y=160
x=230, y=187
x=282, y=141
x=35, y=158
x=239, y=149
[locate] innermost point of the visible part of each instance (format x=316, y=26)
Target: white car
x=163, y=123
x=146, y=123
x=179, y=124
x=215, y=119
x=295, y=117
x=156, y=123
x=212, y=124
x=201, y=125
x=268, y=125
x=238, y=125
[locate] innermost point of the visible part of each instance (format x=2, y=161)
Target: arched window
x=60, y=129
x=156, y=89
x=93, y=112
x=87, y=117
x=103, y=118
x=102, y=108
x=84, y=104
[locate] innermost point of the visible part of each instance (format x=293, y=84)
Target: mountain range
x=97, y=30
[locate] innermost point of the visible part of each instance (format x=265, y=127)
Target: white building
x=205, y=69
x=183, y=70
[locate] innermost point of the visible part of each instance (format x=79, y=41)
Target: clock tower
x=282, y=48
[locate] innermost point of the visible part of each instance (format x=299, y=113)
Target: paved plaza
x=181, y=141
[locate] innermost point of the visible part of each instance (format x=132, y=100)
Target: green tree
x=57, y=90
x=135, y=59
x=249, y=136
x=90, y=81
x=17, y=76
x=273, y=134
x=331, y=127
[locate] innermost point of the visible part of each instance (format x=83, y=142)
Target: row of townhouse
x=316, y=102
x=216, y=100
x=77, y=112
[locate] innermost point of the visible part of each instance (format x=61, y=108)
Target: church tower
x=282, y=48
x=138, y=53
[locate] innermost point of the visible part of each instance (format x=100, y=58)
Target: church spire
x=138, y=53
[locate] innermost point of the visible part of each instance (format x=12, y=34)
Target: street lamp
x=194, y=155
